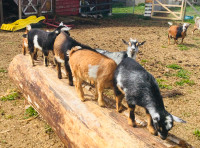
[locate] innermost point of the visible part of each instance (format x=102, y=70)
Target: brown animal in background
x=196, y=25
x=91, y=66
x=25, y=41
x=176, y=32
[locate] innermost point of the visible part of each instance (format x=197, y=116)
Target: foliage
x=174, y=66
x=197, y=133
x=3, y=71
x=11, y=96
x=161, y=85
x=48, y=129
x=183, y=47
x=185, y=81
x=30, y=112
x=183, y=74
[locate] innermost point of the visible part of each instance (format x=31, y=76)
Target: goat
x=196, y=25
x=63, y=43
x=131, y=52
x=140, y=88
x=176, y=32
x=42, y=40
x=89, y=65
x=25, y=41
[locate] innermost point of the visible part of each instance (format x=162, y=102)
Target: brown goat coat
x=24, y=44
x=172, y=32
x=59, y=41
x=83, y=63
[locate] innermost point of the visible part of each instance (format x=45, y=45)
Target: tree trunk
x=78, y=124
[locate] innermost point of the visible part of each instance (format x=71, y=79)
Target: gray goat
x=140, y=88
x=131, y=52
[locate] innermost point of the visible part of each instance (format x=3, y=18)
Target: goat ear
x=25, y=35
x=61, y=24
x=65, y=29
x=142, y=43
x=125, y=42
x=177, y=119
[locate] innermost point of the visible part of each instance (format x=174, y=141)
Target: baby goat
x=25, y=40
x=62, y=45
x=42, y=40
x=89, y=65
x=131, y=52
x=176, y=32
x=140, y=88
x=196, y=25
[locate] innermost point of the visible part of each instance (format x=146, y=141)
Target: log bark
x=78, y=124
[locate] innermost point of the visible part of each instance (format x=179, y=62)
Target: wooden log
x=78, y=124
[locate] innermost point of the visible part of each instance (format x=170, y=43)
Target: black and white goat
x=63, y=44
x=44, y=41
x=140, y=88
x=131, y=52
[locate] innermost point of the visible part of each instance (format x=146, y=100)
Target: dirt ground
x=155, y=55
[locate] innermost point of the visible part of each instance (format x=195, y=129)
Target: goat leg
x=150, y=126
x=131, y=118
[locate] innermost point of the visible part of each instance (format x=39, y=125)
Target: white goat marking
x=92, y=71
x=65, y=29
x=25, y=44
x=36, y=44
x=185, y=26
x=59, y=59
x=168, y=122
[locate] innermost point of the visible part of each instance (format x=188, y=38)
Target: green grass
x=3, y=71
x=174, y=66
x=185, y=81
x=121, y=8
x=12, y=96
x=144, y=61
x=162, y=85
x=164, y=46
x=30, y=112
x=197, y=133
x=48, y=129
x=183, y=74
x=183, y=47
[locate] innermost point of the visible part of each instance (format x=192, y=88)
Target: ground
x=176, y=68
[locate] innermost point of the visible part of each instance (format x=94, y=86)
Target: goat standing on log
x=25, y=40
x=140, y=88
x=42, y=40
x=196, y=25
x=89, y=65
x=62, y=45
x=131, y=52
x=176, y=32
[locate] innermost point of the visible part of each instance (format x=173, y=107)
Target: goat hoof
x=131, y=123
x=82, y=99
x=59, y=77
x=101, y=103
x=152, y=130
x=71, y=83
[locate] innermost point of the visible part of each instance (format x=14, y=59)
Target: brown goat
x=25, y=42
x=88, y=65
x=176, y=32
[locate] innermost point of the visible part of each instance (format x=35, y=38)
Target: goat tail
x=28, y=28
x=74, y=49
x=170, y=23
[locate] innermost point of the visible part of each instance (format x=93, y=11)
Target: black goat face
x=163, y=125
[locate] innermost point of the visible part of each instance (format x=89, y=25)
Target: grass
x=183, y=47
x=197, y=133
x=3, y=71
x=185, y=81
x=48, y=129
x=174, y=66
x=164, y=46
x=183, y=74
x=144, y=61
x=30, y=112
x=121, y=8
x=161, y=85
x=11, y=96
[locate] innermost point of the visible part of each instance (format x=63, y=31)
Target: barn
x=56, y=7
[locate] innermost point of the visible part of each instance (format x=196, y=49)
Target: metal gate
x=31, y=6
